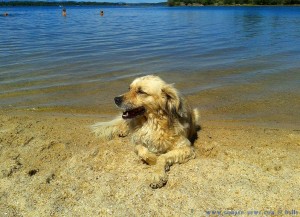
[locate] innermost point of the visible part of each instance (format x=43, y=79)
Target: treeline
x=74, y=3
x=232, y=2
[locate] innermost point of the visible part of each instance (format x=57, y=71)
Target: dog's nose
x=118, y=100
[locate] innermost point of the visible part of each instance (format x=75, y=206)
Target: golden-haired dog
x=162, y=125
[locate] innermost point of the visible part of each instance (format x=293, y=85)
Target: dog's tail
x=111, y=129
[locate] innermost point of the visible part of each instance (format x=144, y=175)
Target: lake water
x=236, y=64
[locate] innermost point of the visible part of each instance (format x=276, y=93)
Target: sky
x=130, y=1
x=114, y=1
x=127, y=1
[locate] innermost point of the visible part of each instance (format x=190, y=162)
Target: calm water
x=237, y=64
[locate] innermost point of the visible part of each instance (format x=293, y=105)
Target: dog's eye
x=140, y=91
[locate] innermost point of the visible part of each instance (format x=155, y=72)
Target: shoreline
x=53, y=165
x=109, y=112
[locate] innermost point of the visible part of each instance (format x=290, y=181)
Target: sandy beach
x=52, y=165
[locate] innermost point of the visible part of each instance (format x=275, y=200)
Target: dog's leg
x=145, y=154
x=111, y=129
x=164, y=161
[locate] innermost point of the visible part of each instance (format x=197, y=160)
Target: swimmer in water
x=64, y=12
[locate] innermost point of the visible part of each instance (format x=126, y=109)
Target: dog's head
x=150, y=95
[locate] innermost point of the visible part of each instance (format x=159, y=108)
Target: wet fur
x=164, y=134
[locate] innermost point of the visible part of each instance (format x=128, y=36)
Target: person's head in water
x=101, y=13
x=64, y=12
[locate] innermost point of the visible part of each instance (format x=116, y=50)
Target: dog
x=162, y=125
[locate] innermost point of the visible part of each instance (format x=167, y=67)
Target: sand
x=52, y=165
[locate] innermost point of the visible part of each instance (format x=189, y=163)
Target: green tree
x=171, y=3
x=229, y=2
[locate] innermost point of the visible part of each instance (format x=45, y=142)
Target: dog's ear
x=174, y=104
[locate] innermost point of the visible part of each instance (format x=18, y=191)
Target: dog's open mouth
x=132, y=113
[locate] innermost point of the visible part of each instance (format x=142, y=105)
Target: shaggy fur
x=162, y=125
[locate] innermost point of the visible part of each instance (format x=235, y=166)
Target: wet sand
x=52, y=165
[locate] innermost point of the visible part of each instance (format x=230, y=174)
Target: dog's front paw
x=159, y=180
x=145, y=155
